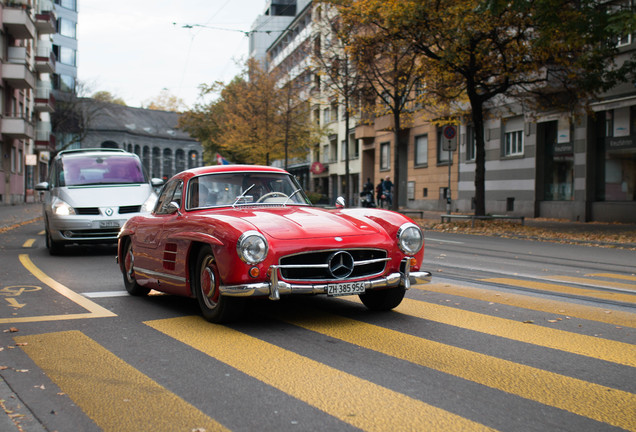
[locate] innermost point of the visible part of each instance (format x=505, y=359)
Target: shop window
x=617, y=165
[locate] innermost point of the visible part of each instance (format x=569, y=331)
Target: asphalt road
x=512, y=335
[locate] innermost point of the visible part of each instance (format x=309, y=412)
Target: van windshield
x=92, y=170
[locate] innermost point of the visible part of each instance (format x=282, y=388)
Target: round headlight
x=252, y=247
x=410, y=238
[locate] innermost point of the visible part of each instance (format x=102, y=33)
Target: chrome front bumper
x=275, y=288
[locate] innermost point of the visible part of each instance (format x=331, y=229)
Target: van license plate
x=349, y=288
x=109, y=224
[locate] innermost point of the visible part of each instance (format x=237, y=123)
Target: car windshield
x=98, y=170
x=240, y=189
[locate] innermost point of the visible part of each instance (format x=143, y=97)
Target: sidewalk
x=587, y=233
x=12, y=216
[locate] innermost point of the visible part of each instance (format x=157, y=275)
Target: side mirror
x=44, y=186
x=156, y=182
x=340, y=202
x=173, y=208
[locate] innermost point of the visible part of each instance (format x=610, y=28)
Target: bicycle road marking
x=95, y=310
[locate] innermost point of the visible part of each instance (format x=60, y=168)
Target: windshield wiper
x=241, y=196
x=290, y=197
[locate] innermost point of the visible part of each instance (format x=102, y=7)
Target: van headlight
x=149, y=205
x=252, y=247
x=61, y=208
x=410, y=238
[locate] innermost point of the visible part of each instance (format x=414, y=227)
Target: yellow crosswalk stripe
x=596, y=282
x=352, y=400
x=116, y=396
x=565, y=289
x=603, y=349
x=618, y=318
x=594, y=401
x=613, y=276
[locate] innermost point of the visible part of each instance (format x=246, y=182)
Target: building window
x=354, y=147
x=67, y=4
x=67, y=56
x=421, y=150
x=471, y=144
x=385, y=156
x=66, y=83
x=66, y=28
x=513, y=143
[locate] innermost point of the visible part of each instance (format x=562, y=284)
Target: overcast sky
x=136, y=48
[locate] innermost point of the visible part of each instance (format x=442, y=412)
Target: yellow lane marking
x=564, y=289
x=28, y=243
x=96, y=311
x=594, y=401
x=110, y=391
x=613, y=276
x=595, y=282
x=603, y=349
x=619, y=318
x=352, y=400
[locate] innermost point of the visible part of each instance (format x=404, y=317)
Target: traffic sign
x=449, y=138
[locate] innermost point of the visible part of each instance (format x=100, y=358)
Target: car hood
x=105, y=196
x=299, y=222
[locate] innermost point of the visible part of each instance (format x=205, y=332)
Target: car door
x=148, y=254
x=170, y=252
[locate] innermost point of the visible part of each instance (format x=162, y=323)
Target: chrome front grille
x=320, y=265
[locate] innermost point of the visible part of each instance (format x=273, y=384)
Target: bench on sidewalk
x=473, y=218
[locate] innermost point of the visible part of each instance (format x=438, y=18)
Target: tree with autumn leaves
x=548, y=54
x=256, y=118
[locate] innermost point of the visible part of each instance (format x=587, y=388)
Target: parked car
x=91, y=193
x=226, y=232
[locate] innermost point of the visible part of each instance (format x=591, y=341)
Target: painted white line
x=430, y=239
x=104, y=294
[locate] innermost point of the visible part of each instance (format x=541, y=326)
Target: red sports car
x=226, y=232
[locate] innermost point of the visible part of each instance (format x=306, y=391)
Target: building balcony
x=44, y=99
x=17, y=22
x=44, y=138
x=14, y=127
x=45, y=61
x=18, y=75
x=365, y=131
x=45, y=19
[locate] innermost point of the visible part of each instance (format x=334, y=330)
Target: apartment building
x=289, y=49
x=26, y=60
x=548, y=164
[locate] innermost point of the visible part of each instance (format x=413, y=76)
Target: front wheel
x=54, y=247
x=214, y=307
x=128, y=271
x=383, y=300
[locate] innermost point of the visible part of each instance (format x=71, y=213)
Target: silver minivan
x=91, y=193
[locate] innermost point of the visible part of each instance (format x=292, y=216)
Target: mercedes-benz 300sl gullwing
x=223, y=233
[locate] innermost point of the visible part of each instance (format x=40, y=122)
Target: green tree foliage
x=551, y=54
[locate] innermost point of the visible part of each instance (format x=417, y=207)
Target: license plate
x=349, y=288
x=109, y=224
